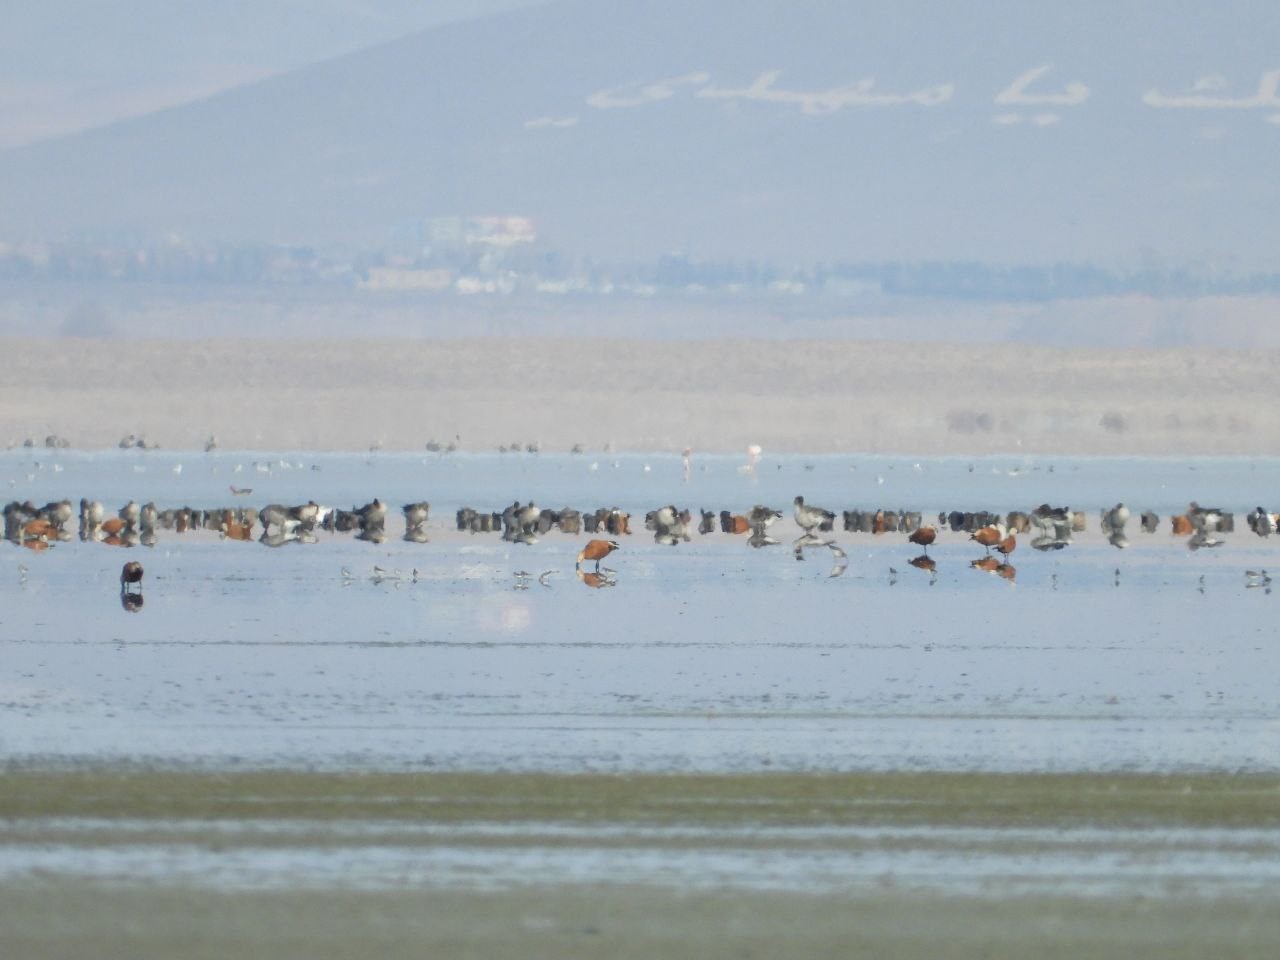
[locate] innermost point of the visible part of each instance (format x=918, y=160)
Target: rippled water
x=271, y=854
x=706, y=656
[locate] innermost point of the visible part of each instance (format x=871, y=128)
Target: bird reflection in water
x=989, y=564
x=807, y=540
x=131, y=602
x=924, y=562
x=928, y=564
x=760, y=539
x=604, y=577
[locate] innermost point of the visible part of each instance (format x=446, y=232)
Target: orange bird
x=1007, y=545
x=987, y=536
x=112, y=526
x=596, y=550
x=923, y=536
x=231, y=530
x=40, y=529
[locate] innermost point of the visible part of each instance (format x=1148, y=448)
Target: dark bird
x=130, y=575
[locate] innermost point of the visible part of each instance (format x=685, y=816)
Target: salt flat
x=800, y=396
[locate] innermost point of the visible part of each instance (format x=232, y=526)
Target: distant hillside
x=792, y=131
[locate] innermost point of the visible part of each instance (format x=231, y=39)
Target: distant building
x=457, y=233
x=400, y=278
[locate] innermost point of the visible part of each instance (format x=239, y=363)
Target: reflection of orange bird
x=1007, y=545
x=988, y=563
x=596, y=550
x=923, y=562
x=923, y=536
x=1007, y=571
x=987, y=536
x=594, y=579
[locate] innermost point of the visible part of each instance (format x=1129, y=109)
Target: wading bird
x=596, y=550
x=987, y=536
x=810, y=518
x=923, y=536
x=131, y=574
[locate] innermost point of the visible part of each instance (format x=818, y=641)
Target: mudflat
x=119, y=861
x=65, y=919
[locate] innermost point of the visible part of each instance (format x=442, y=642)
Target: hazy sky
x=67, y=65
x=1130, y=133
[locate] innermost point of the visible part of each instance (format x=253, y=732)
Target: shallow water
x=270, y=854
x=707, y=656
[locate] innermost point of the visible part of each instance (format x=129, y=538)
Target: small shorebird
x=923, y=536
x=130, y=574
x=596, y=550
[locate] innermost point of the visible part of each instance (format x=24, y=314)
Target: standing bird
x=131, y=574
x=810, y=518
x=923, y=536
x=987, y=536
x=596, y=550
x=1007, y=546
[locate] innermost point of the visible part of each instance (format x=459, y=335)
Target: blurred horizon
x=796, y=158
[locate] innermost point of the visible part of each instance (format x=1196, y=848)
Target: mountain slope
x=782, y=130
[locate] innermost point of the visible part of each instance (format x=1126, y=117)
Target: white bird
x=810, y=518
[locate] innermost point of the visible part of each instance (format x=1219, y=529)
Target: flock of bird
x=1049, y=528
x=274, y=525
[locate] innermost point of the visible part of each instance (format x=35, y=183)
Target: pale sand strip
x=716, y=396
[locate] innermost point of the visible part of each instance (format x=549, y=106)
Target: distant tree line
x=538, y=267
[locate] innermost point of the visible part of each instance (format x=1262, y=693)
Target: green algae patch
x=892, y=799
